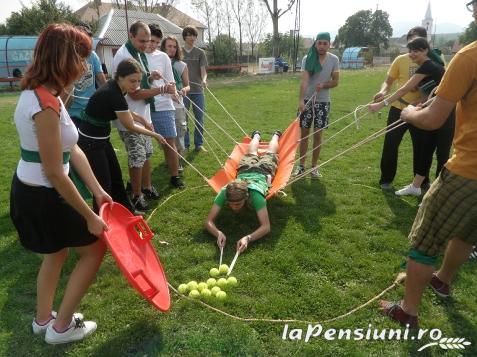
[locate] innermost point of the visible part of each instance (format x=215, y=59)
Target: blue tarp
x=351, y=58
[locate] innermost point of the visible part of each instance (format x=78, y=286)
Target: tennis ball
x=223, y=269
x=194, y=294
x=182, y=288
x=222, y=283
x=192, y=285
x=206, y=293
x=201, y=286
x=221, y=295
x=215, y=290
x=232, y=281
x=211, y=282
x=214, y=272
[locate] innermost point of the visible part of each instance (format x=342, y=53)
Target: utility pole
x=296, y=34
x=126, y=13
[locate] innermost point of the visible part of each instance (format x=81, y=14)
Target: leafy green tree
x=365, y=28
x=225, y=49
x=469, y=35
x=32, y=20
x=275, y=13
x=285, y=46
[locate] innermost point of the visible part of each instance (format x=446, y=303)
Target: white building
x=428, y=22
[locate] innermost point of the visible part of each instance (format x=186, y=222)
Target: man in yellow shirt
x=448, y=215
x=400, y=71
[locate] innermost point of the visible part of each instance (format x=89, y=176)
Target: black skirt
x=45, y=222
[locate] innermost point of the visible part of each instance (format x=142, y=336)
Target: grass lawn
x=335, y=243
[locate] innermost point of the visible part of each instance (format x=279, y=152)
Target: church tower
x=428, y=22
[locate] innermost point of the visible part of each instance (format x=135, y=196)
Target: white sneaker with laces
x=37, y=328
x=409, y=190
x=77, y=330
x=300, y=169
x=315, y=173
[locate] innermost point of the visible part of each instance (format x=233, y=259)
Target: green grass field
x=335, y=243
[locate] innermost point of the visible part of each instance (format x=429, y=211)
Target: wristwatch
x=386, y=103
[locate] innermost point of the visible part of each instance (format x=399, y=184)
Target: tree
x=224, y=49
x=285, y=46
x=239, y=8
x=31, y=21
x=275, y=14
x=365, y=28
x=254, y=22
x=469, y=35
x=206, y=10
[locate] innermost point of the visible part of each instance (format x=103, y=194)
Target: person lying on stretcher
x=254, y=175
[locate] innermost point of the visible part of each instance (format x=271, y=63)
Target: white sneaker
x=300, y=170
x=315, y=173
x=409, y=190
x=77, y=330
x=37, y=328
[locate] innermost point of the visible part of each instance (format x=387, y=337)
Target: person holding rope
x=171, y=47
x=322, y=71
x=427, y=77
x=448, y=215
x=105, y=105
x=46, y=207
x=254, y=175
x=141, y=101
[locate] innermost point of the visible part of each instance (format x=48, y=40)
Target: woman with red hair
x=46, y=208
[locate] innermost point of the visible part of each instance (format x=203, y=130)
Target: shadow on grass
x=402, y=211
x=311, y=204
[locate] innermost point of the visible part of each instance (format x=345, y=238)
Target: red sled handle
x=138, y=225
x=144, y=284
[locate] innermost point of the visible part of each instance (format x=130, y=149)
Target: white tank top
x=28, y=105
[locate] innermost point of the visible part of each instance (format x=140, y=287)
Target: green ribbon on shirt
x=142, y=59
x=177, y=76
x=34, y=156
x=93, y=121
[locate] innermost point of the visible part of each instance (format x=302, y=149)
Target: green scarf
x=435, y=57
x=142, y=59
x=177, y=76
x=312, y=63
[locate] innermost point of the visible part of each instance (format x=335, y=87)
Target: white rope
x=370, y=138
x=208, y=144
x=223, y=107
x=213, y=121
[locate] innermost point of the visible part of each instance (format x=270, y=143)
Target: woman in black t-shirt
x=107, y=104
x=426, y=78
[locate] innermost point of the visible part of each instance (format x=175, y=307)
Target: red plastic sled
x=286, y=157
x=128, y=239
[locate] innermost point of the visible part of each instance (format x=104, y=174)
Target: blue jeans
x=198, y=100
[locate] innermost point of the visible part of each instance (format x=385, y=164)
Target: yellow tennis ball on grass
x=221, y=295
x=182, y=288
x=194, y=294
x=201, y=286
x=214, y=272
x=222, y=283
x=215, y=290
x=211, y=282
x=192, y=285
x=206, y=293
x=231, y=281
x=223, y=269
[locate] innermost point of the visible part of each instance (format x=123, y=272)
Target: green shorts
x=448, y=210
x=264, y=164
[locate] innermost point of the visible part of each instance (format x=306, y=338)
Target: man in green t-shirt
x=254, y=175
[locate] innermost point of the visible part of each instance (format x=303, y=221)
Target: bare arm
x=335, y=77
x=385, y=88
x=431, y=117
x=49, y=144
x=100, y=78
x=127, y=121
x=185, y=82
x=209, y=225
x=305, y=78
x=203, y=75
x=261, y=231
x=406, y=88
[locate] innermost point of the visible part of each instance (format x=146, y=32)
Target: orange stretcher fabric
x=286, y=157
